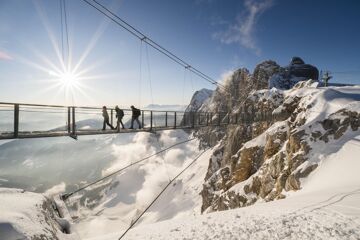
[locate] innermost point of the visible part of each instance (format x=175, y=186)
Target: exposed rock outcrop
x=269, y=153
x=272, y=159
x=198, y=99
x=295, y=72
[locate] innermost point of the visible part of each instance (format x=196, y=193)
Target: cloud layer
x=242, y=31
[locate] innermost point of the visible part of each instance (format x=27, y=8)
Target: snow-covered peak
x=198, y=99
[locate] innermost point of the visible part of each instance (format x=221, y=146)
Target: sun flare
x=66, y=78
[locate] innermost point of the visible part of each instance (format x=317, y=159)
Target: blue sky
x=215, y=36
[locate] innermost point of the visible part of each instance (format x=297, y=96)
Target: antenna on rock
x=326, y=77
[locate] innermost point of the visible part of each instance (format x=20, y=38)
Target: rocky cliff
x=286, y=77
x=263, y=160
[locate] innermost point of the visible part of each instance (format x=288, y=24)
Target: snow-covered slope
x=181, y=199
x=26, y=215
x=326, y=208
x=111, y=205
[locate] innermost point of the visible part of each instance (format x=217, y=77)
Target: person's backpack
x=137, y=112
x=120, y=113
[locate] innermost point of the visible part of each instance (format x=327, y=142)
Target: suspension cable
x=140, y=74
x=65, y=196
x=62, y=30
x=125, y=25
x=67, y=33
x=160, y=193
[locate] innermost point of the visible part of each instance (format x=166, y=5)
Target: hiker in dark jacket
x=135, y=116
x=106, y=119
x=119, y=117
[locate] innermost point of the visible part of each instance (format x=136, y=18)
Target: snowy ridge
x=198, y=99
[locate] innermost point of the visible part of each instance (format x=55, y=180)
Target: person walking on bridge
x=119, y=117
x=106, y=119
x=135, y=117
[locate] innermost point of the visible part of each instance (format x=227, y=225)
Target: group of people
x=119, y=116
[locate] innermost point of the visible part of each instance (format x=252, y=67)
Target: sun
x=66, y=78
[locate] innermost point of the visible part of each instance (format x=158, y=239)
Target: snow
x=261, y=139
x=137, y=188
x=326, y=208
x=324, y=101
x=198, y=99
x=25, y=215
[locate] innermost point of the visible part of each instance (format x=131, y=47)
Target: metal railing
x=18, y=120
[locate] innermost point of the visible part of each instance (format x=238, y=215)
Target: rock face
x=264, y=160
x=233, y=97
x=295, y=72
x=198, y=99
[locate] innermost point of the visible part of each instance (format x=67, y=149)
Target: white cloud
x=57, y=189
x=242, y=31
x=226, y=77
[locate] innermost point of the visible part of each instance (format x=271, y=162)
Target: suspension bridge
x=41, y=121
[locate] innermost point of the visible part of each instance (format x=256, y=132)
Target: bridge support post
x=142, y=119
x=68, y=120
x=73, y=132
x=16, y=120
x=174, y=120
x=111, y=114
x=166, y=119
x=151, y=120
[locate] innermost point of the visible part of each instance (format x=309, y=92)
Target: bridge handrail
x=150, y=119
x=167, y=119
x=98, y=108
